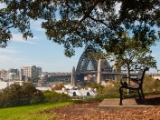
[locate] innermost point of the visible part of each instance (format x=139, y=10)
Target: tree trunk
x=128, y=75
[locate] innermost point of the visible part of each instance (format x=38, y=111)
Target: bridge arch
x=86, y=63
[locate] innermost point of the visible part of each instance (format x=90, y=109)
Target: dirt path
x=90, y=111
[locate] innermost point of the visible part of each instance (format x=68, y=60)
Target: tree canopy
x=133, y=56
x=128, y=54
x=15, y=95
x=74, y=23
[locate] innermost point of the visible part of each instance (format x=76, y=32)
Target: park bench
x=136, y=87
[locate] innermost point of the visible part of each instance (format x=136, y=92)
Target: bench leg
x=142, y=94
x=144, y=100
x=121, y=93
x=139, y=94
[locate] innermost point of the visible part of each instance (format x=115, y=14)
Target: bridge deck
x=107, y=73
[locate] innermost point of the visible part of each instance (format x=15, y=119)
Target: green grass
x=30, y=112
x=152, y=92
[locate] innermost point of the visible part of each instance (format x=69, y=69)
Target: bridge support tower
x=73, y=77
x=99, y=75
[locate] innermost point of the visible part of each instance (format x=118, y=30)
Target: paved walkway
x=114, y=104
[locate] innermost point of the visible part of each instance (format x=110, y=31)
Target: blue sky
x=44, y=53
x=37, y=51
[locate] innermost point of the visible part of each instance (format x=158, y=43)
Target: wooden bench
x=138, y=82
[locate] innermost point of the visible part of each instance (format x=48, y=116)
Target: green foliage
x=55, y=97
x=15, y=95
x=110, y=90
x=157, y=85
x=150, y=84
x=94, y=85
x=131, y=54
x=77, y=22
x=99, y=88
x=106, y=91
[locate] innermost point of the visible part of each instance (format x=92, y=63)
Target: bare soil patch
x=90, y=111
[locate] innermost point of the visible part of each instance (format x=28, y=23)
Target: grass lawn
x=30, y=112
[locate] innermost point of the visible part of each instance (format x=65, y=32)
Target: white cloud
x=4, y=58
x=10, y=61
x=8, y=50
x=19, y=38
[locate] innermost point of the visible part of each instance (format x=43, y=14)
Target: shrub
x=157, y=84
x=110, y=90
x=149, y=83
x=55, y=97
x=94, y=85
x=16, y=95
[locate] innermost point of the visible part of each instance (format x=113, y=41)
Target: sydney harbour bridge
x=95, y=70
x=90, y=69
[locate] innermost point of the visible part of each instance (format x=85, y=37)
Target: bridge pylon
x=73, y=77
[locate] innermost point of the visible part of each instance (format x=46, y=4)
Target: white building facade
x=30, y=71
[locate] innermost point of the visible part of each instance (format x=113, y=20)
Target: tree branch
x=100, y=21
x=88, y=12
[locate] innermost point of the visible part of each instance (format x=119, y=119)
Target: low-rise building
x=79, y=93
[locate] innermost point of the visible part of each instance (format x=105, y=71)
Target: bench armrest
x=121, y=81
x=132, y=79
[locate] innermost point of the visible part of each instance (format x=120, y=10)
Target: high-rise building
x=13, y=70
x=30, y=71
x=39, y=71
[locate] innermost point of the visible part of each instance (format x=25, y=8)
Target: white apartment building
x=30, y=71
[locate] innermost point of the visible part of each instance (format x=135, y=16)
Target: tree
x=77, y=22
x=28, y=89
x=12, y=92
x=15, y=95
x=131, y=55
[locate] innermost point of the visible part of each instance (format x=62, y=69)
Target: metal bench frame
x=138, y=87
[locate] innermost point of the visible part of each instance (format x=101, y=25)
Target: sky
x=37, y=51
x=44, y=53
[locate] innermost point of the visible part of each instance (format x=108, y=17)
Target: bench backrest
x=140, y=76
